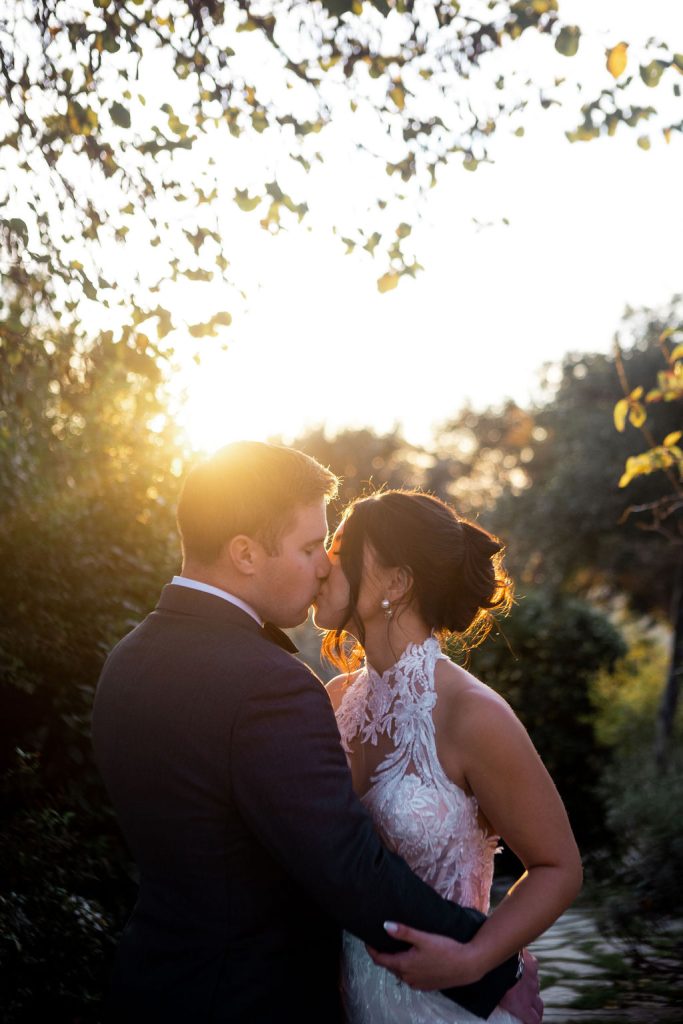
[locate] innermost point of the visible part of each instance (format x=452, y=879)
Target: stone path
x=586, y=977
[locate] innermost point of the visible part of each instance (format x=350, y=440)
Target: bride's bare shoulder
x=337, y=687
x=462, y=694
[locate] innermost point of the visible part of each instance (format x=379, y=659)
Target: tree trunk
x=669, y=702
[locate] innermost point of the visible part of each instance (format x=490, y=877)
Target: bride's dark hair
x=456, y=567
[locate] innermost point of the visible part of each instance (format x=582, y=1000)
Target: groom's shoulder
x=275, y=668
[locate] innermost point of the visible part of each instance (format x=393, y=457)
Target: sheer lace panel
x=388, y=733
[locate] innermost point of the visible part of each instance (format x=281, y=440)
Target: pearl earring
x=386, y=608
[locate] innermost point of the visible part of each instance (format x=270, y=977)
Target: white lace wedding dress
x=388, y=734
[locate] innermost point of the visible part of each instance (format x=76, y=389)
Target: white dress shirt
x=185, y=581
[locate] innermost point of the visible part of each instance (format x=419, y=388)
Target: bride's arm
x=493, y=752
x=519, y=799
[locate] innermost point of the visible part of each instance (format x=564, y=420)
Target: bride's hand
x=433, y=962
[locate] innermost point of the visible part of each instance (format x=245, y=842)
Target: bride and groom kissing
x=323, y=855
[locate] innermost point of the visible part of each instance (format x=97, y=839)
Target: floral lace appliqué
x=421, y=815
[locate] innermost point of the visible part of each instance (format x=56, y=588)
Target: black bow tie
x=277, y=636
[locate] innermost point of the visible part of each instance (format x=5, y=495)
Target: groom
x=222, y=758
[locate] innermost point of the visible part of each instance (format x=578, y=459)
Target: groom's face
x=292, y=577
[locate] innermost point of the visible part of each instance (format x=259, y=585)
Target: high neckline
x=412, y=651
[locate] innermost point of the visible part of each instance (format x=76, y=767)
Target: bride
x=440, y=761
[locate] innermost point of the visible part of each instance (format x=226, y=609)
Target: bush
x=543, y=662
x=66, y=892
x=643, y=811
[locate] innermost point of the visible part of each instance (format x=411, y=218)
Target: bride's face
x=331, y=605
x=332, y=602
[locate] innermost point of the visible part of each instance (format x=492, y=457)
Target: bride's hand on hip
x=433, y=961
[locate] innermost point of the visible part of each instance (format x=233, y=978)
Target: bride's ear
x=400, y=584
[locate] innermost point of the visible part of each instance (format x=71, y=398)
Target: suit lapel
x=198, y=603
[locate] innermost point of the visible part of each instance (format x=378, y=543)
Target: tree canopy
x=121, y=119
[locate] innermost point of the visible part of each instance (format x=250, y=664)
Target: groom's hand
x=433, y=962
x=523, y=1000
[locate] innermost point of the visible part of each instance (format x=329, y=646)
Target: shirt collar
x=185, y=581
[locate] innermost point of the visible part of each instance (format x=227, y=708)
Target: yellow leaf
x=398, y=96
x=620, y=414
x=630, y=470
x=667, y=135
x=636, y=393
x=677, y=353
x=673, y=438
x=637, y=414
x=387, y=282
x=617, y=59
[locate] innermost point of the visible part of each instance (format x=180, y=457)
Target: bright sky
x=594, y=227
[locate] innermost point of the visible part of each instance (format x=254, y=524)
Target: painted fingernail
x=391, y=927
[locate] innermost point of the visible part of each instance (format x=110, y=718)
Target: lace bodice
x=388, y=733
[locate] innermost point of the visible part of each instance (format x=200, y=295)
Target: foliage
x=644, y=888
x=86, y=539
x=475, y=458
x=563, y=524
x=96, y=158
x=480, y=456
x=65, y=897
x=626, y=698
x=666, y=456
x=663, y=515
x=543, y=662
x=364, y=461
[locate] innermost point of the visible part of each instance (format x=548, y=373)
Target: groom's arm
x=292, y=785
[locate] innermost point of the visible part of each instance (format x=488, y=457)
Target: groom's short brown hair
x=248, y=487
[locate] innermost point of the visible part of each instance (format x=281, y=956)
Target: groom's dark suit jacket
x=221, y=755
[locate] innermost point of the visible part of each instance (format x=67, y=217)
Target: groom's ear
x=244, y=553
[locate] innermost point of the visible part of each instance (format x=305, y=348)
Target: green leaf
x=371, y=243
x=89, y=288
x=208, y=329
x=18, y=228
x=119, y=115
x=197, y=275
x=259, y=120
x=652, y=72
x=245, y=201
x=567, y=42
x=338, y=7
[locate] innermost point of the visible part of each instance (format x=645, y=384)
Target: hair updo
x=456, y=566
